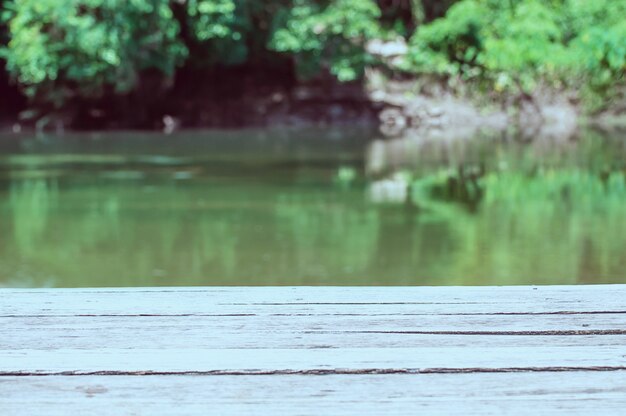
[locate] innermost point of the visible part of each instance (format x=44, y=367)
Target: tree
x=517, y=44
x=328, y=35
x=60, y=50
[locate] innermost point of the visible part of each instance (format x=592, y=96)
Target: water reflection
x=470, y=213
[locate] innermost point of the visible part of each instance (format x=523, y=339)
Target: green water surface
x=299, y=207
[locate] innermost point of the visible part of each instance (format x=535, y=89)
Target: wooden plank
x=276, y=325
x=343, y=328
x=476, y=350
x=310, y=360
x=313, y=300
x=308, y=331
x=577, y=393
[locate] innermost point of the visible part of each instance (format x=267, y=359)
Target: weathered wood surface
x=575, y=393
x=471, y=350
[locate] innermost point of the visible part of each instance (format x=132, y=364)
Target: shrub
x=329, y=35
x=59, y=49
x=515, y=44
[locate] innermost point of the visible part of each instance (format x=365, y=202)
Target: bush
x=59, y=49
x=219, y=30
x=329, y=35
x=516, y=44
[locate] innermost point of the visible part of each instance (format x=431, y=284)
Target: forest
x=64, y=55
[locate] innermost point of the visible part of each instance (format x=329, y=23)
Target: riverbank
x=398, y=105
x=411, y=68
x=427, y=107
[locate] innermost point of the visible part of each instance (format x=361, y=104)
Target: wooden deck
x=313, y=351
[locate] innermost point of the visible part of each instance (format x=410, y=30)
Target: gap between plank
x=174, y=315
x=522, y=333
x=317, y=372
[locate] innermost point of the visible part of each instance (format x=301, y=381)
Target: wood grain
x=305, y=350
x=307, y=300
x=576, y=393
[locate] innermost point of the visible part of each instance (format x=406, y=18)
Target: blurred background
x=312, y=142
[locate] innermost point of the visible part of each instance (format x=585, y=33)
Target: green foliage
x=221, y=27
x=62, y=48
x=603, y=51
x=58, y=50
x=213, y=19
x=595, y=37
x=446, y=45
x=328, y=35
x=515, y=44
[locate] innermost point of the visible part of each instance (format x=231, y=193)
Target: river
x=309, y=207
